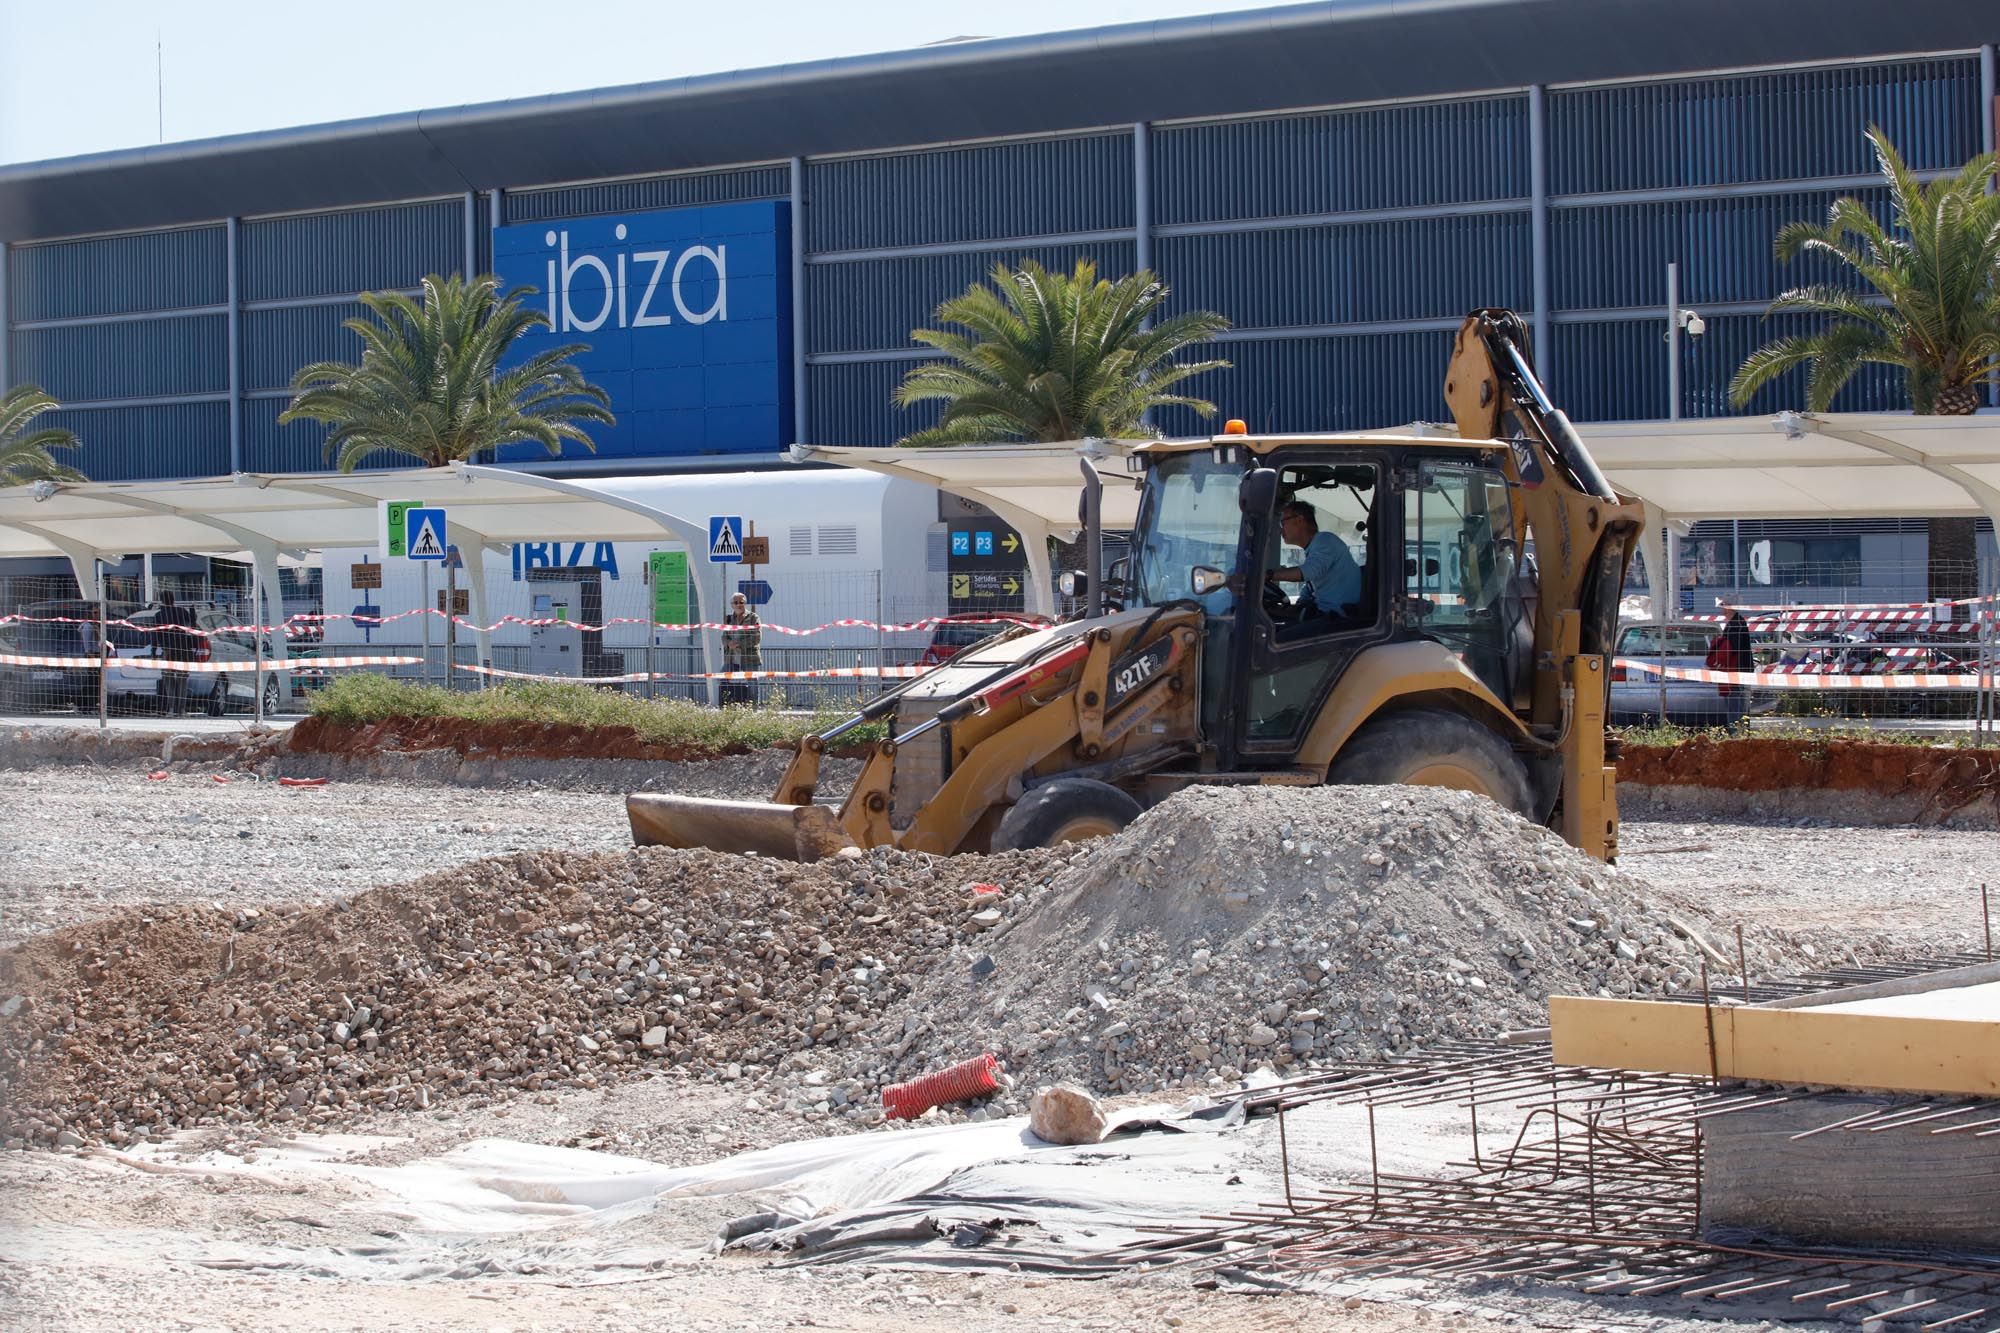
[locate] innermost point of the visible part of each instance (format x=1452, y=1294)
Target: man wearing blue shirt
x=1332, y=579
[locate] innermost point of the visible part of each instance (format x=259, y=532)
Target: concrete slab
x=1980, y=1003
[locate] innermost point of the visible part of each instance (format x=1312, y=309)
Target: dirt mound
x=1946, y=777
x=1228, y=929
x=1225, y=930
x=523, y=972
x=488, y=740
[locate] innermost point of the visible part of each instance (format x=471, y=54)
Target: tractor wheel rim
x=1086, y=826
x=1456, y=777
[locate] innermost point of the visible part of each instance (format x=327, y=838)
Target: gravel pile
x=1231, y=929
x=540, y=970
x=1227, y=929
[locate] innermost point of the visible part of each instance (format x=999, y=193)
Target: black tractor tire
x=1066, y=810
x=1426, y=747
x=217, y=702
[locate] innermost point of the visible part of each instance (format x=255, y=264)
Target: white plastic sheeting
x=496, y=1206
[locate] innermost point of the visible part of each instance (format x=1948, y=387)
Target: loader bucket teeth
x=795, y=832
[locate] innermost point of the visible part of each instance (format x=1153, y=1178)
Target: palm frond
x=1922, y=292
x=25, y=454
x=435, y=383
x=1034, y=355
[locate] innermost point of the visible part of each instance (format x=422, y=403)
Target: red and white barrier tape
x=823, y=673
x=631, y=677
x=1912, y=680
x=291, y=665
x=465, y=623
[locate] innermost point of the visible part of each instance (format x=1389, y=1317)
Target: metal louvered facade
x=1343, y=242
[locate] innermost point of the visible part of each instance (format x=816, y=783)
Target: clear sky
x=79, y=76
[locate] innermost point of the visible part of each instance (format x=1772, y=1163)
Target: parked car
x=954, y=634
x=47, y=631
x=68, y=629
x=213, y=692
x=1636, y=695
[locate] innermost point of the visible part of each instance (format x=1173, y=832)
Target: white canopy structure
x=1797, y=465
x=1034, y=488
x=1793, y=465
x=266, y=515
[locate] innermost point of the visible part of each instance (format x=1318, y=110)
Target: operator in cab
x=1331, y=577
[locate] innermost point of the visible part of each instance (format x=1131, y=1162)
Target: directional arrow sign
x=1010, y=543
x=1012, y=585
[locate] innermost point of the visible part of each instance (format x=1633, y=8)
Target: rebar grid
x=1599, y=1188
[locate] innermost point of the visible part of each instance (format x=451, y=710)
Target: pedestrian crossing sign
x=725, y=539
x=425, y=529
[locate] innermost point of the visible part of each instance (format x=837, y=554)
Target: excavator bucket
x=796, y=832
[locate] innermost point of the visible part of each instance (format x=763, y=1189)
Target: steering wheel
x=1276, y=604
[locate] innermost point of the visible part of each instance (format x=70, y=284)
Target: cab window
x=1459, y=561
x=1323, y=569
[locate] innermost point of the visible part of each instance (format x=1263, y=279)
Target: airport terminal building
x=745, y=254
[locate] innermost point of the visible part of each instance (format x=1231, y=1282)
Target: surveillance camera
x=1693, y=323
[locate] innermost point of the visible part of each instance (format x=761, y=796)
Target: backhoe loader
x=1457, y=638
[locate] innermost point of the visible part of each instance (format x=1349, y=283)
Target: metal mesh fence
x=1883, y=655
x=825, y=640
x=115, y=655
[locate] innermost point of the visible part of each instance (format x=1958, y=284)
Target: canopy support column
x=264, y=555
x=1041, y=590
x=473, y=553
x=1656, y=555
x=82, y=562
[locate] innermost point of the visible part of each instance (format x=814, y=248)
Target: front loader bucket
x=796, y=832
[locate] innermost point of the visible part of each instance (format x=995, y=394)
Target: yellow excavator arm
x=1583, y=533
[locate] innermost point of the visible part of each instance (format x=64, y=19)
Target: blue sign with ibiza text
x=684, y=317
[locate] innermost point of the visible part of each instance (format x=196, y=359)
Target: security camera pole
x=1673, y=342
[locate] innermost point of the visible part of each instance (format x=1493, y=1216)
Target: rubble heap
x=539, y=970
x=1228, y=929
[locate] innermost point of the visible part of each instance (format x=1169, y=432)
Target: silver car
x=212, y=692
x=1636, y=695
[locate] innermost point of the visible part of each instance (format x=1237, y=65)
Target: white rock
x=1065, y=1114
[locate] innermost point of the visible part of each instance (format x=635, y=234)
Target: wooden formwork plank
x=1660, y=1035
x=1849, y=1050
x=1832, y=1049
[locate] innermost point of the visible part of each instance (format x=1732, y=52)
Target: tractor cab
x=1304, y=552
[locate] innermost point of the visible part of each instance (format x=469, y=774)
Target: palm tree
x=24, y=454
x=431, y=385
x=1927, y=300
x=1052, y=357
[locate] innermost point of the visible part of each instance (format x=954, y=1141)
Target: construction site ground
x=85, y=840
x=89, y=1242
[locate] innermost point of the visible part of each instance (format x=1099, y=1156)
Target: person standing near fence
x=175, y=642
x=742, y=649
x=1731, y=651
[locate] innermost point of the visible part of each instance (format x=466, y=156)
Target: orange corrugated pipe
x=971, y=1078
